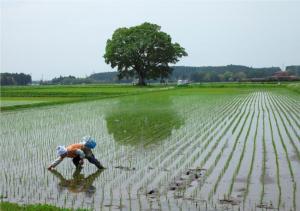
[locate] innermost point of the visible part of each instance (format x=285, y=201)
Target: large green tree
x=143, y=52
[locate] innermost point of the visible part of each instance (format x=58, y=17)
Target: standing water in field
x=185, y=149
x=138, y=121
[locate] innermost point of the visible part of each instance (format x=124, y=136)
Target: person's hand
x=50, y=168
x=81, y=162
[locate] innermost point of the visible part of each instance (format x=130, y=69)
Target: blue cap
x=89, y=142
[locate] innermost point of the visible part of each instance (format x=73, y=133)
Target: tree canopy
x=143, y=52
x=15, y=79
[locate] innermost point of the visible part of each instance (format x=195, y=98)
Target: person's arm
x=55, y=162
x=80, y=153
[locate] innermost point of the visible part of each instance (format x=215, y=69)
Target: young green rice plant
x=276, y=156
x=217, y=142
x=179, y=150
x=292, y=106
x=210, y=169
x=264, y=159
x=287, y=131
x=224, y=169
x=285, y=151
x=241, y=157
x=253, y=154
x=294, y=115
x=209, y=140
x=280, y=109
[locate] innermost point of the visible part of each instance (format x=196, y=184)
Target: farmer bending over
x=78, y=152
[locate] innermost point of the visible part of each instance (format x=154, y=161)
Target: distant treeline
x=293, y=70
x=206, y=74
x=195, y=74
x=14, y=79
x=67, y=80
x=221, y=73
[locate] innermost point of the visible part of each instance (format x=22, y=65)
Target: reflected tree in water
x=142, y=120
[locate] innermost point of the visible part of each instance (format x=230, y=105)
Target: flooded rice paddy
x=176, y=150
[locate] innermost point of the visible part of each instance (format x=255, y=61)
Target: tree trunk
x=141, y=80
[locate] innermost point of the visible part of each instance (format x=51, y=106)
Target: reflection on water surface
x=141, y=121
x=79, y=183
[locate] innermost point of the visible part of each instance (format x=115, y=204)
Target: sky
x=49, y=38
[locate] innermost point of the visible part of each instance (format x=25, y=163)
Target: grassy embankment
x=7, y=206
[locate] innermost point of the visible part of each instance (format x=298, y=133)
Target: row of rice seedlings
x=175, y=153
x=253, y=154
x=292, y=106
x=129, y=177
x=291, y=109
x=293, y=97
x=237, y=169
x=196, y=189
x=222, y=134
x=276, y=156
x=210, y=169
x=125, y=152
x=288, y=116
x=286, y=130
x=286, y=153
x=33, y=169
x=264, y=158
x=168, y=167
x=193, y=154
x=186, y=161
x=225, y=167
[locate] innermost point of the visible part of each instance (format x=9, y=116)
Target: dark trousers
x=91, y=158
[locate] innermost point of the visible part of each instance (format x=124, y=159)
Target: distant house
x=182, y=82
x=283, y=76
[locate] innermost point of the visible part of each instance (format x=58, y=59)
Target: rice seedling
x=185, y=150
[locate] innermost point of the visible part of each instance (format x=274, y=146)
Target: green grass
x=294, y=87
x=7, y=206
x=20, y=97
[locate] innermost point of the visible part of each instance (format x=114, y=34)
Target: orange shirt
x=72, y=150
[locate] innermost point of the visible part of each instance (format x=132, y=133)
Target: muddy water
x=175, y=156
